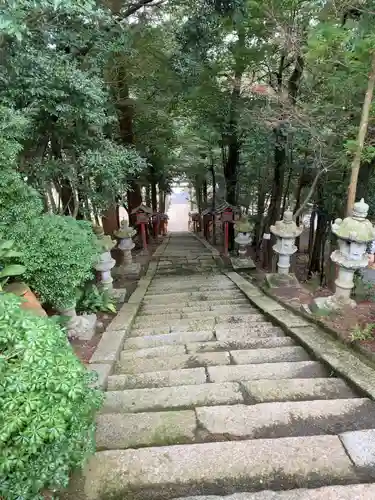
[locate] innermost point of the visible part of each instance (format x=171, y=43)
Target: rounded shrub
x=59, y=253
x=47, y=404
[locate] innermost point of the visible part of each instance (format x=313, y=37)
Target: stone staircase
x=210, y=398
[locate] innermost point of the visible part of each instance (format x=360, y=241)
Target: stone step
x=272, y=355
x=164, y=473
x=289, y=419
x=238, y=320
x=205, y=284
x=217, y=312
x=174, y=317
x=251, y=343
x=186, y=324
x=351, y=492
x=116, y=431
x=167, y=339
x=154, y=352
x=169, y=378
x=227, y=332
x=297, y=389
x=172, y=398
x=176, y=297
x=269, y=371
x=191, y=306
x=128, y=363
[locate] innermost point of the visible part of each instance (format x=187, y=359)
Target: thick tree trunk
x=161, y=200
x=213, y=176
x=134, y=200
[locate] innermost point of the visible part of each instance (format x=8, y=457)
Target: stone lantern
x=353, y=233
x=243, y=238
x=126, y=245
x=286, y=232
x=105, y=262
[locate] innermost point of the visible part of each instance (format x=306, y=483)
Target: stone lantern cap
x=243, y=225
x=357, y=227
x=286, y=228
x=106, y=243
x=125, y=230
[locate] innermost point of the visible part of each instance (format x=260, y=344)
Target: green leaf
x=12, y=270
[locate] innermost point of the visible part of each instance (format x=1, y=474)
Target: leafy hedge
x=58, y=253
x=47, y=405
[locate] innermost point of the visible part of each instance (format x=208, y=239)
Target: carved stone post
x=243, y=238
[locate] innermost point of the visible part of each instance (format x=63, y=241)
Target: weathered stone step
x=351, y=492
x=227, y=332
x=291, y=419
x=175, y=297
x=233, y=343
x=192, y=287
x=128, y=363
x=116, y=431
x=168, y=378
x=272, y=355
x=175, y=317
x=171, y=398
x=163, y=473
x=239, y=373
x=167, y=339
x=297, y=389
x=182, y=325
x=191, y=306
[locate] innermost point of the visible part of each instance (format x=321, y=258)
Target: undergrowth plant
x=47, y=404
x=91, y=299
x=363, y=333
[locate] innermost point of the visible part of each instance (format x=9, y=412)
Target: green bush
x=47, y=405
x=58, y=253
x=18, y=201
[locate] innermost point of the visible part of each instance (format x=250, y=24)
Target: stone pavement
x=210, y=398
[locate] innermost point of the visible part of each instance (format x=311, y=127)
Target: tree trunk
x=154, y=197
x=205, y=194
x=134, y=200
x=148, y=195
x=356, y=164
x=213, y=176
x=277, y=192
x=161, y=201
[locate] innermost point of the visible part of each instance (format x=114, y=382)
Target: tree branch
x=136, y=6
x=310, y=193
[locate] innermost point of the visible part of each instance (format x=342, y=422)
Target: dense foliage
x=58, y=253
x=47, y=406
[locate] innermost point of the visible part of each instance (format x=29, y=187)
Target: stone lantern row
x=353, y=233
x=83, y=326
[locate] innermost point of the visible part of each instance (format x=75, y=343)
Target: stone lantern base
x=80, y=327
x=240, y=263
x=276, y=280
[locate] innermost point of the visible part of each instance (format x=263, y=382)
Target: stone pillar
x=243, y=238
x=126, y=245
x=286, y=232
x=353, y=233
x=105, y=262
